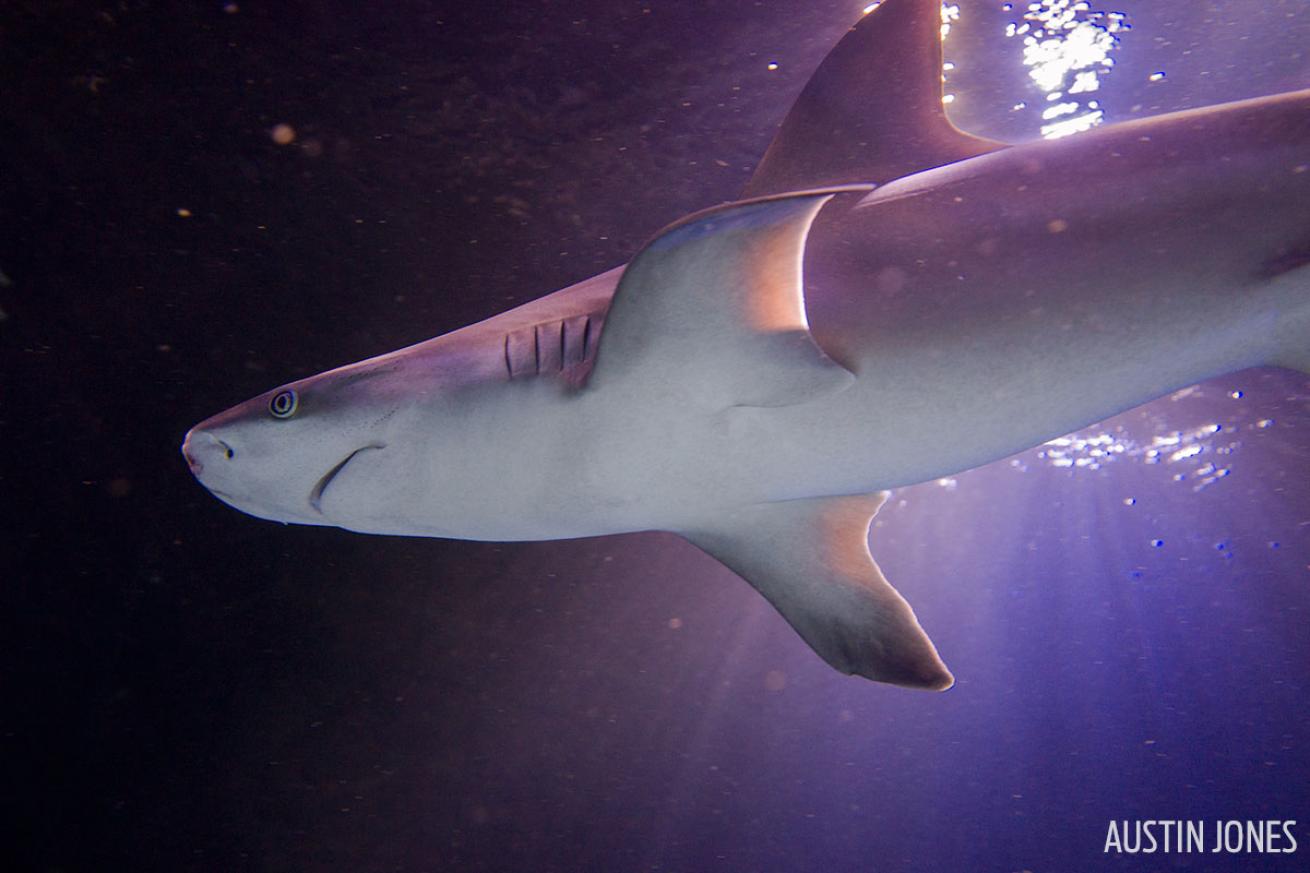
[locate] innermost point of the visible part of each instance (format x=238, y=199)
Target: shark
x=891, y=301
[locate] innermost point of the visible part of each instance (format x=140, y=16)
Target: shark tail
x=810, y=559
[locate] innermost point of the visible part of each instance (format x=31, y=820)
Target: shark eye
x=283, y=404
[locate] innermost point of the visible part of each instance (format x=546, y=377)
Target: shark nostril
x=202, y=446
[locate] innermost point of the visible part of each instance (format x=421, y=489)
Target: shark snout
x=201, y=448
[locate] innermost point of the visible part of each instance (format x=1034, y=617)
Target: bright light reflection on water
x=1199, y=456
x=1067, y=46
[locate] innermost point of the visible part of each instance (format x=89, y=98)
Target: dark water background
x=187, y=688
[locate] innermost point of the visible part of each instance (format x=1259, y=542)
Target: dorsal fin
x=872, y=112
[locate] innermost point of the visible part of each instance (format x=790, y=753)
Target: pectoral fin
x=712, y=313
x=810, y=559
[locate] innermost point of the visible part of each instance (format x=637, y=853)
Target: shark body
x=981, y=299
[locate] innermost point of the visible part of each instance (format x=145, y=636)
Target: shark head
x=285, y=454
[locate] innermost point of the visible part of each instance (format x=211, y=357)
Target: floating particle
x=283, y=134
x=1157, y=544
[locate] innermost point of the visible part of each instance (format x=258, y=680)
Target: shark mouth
x=316, y=495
